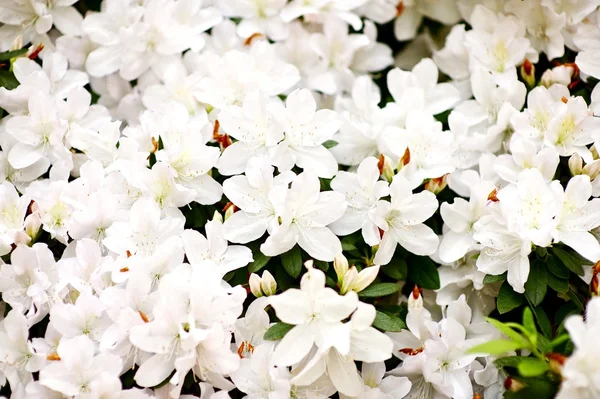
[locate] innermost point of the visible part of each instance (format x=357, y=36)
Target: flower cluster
x=371, y=199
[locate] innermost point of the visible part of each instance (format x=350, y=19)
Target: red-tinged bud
x=513, y=385
x=143, y=316
x=556, y=361
x=405, y=158
x=528, y=73
x=437, y=184
x=124, y=269
x=399, y=8
x=416, y=292
x=252, y=37
x=381, y=163
x=154, y=145
x=35, y=53
x=595, y=283
x=477, y=396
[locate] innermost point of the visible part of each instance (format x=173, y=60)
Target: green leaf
x=490, y=278
x=260, y=261
x=537, y=283
x=528, y=322
x=495, y=347
x=569, y=260
x=322, y=265
x=576, y=300
x=422, y=272
x=509, y=361
x=508, y=299
x=292, y=262
x=531, y=367
x=386, y=322
x=556, y=267
x=379, y=290
x=277, y=331
x=558, y=284
x=509, y=332
x=330, y=144
x=12, y=54
x=396, y=269
x=348, y=246
x=543, y=321
x=8, y=80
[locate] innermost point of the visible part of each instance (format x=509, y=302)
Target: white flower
x=362, y=191
x=251, y=193
x=578, y=217
x=258, y=16
x=303, y=214
x=401, y=221
x=580, y=369
x=306, y=129
x=214, y=247
x=12, y=216
x=316, y=312
x=255, y=130
x=438, y=97
x=80, y=371
x=424, y=150
x=16, y=351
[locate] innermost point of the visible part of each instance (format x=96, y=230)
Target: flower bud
x=575, y=164
x=415, y=299
x=365, y=278
x=255, y=285
x=592, y=169
x=436, y=185
x=348, y=280
x=217, y=217
x=340, y=264
x=33, y=222
x=405, y=160
x=386, y=169
x=528, y=73
x=594, y=152
x=268, y=283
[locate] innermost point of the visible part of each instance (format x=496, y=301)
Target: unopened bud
x=592, y=169
x=365, y=278
x=415, y=299
x=386, y=169
x=268, y=284
x=217, y=217
x=556, y=361
x=255, y=285
x=528, y=73
x=436, y=185
x=340, y=264
x=594, y=152
x=512, y=385
x=229, y=210
x=405, y=160
x=348, y=280
x=33, y=222
x=576, y=164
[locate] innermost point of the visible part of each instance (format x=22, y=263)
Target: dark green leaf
x=379, y=290
x=12, y=54
x=509, y=361
x=556, y=267
x=490, y=278
x=569, y=260
x=260, y=261
x=543, y=321
x=532, y=367
x=386, y=322
x=537, y=284
x=508, y=299
x=536, y=387
x=292, y=262
x=347, y=246
x=558, y=284
x=576, y=300
x=277, y=331
x=396, y=269
x=495, y=347
x=8, y=80
x=322, y=265
x=330, y=144
x=422, y=272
